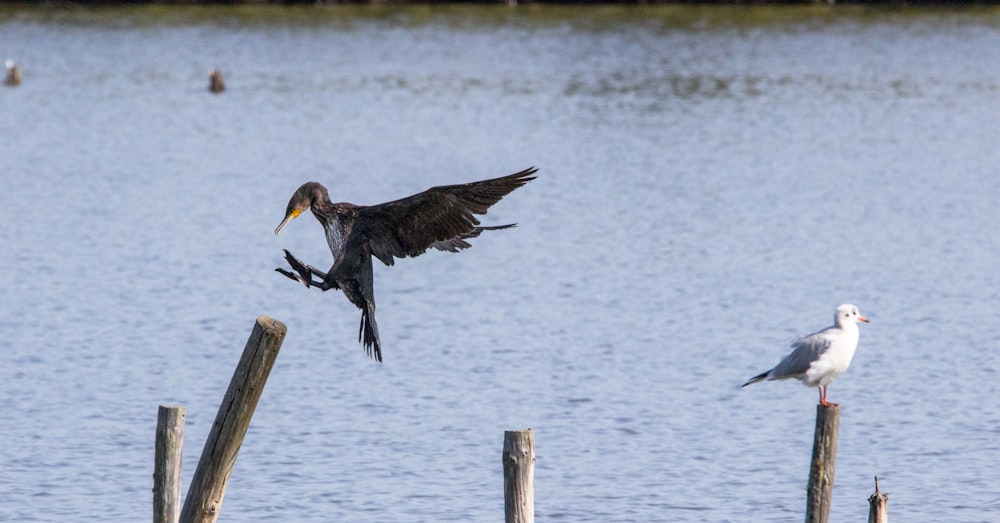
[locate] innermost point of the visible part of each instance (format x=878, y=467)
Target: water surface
x=714, y=181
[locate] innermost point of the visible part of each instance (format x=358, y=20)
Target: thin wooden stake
x=208, y=486
x=167, y=464
x=878, y=506
x=519, y=476
x=820, y=491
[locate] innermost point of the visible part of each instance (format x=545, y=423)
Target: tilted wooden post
x=878, y=506
x=208, y=486
x=519, y=476
x=167, y=464
x=824, y=456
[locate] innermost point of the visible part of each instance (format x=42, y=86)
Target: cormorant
x=441, y=217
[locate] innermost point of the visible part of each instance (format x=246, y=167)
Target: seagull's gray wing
x=806, y=350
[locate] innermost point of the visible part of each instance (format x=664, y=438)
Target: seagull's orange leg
x=822, y=397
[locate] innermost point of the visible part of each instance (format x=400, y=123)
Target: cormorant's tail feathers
x=368, y=333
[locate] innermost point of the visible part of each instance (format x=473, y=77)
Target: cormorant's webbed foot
x=304, y=273
x=294, y=276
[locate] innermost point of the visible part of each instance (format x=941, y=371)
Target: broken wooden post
x=167, y=464
x=820, y=489
x=878, y=506
x=208, y=486
x=519, y=476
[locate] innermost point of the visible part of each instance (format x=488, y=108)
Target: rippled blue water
x=713, y=183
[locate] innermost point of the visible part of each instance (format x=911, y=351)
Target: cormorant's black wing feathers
x=441, y=217
x=458, y=243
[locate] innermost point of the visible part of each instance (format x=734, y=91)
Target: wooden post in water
x=208, y=486
x=878, y=506
x=167, y=464
x=820, y=490
x=519, y=476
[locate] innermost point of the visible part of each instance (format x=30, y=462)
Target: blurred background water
x=713, y=182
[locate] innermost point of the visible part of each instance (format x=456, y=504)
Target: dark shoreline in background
x=119, y=3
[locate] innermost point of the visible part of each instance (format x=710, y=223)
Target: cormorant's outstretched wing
x=458, y=243
x=440, y=217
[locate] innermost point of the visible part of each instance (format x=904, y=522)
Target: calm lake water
x=714, y=182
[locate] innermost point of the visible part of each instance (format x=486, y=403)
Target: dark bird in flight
x=443, y=218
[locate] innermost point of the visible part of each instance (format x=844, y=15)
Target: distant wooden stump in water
x=13, y=78
x=215, y=83
x=208, y=486
x=519, y=476
x=824, y=457
x=167, y=464
x=878, y=510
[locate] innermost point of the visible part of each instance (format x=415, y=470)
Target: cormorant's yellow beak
x=288, y=217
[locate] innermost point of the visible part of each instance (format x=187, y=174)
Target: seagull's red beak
x=862, y=318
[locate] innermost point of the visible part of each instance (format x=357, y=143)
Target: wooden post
x=878, y=506
x=820, y=490
x=208, y=486
x=167, y=464
x=519, y=476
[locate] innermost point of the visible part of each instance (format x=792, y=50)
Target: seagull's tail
x=760, y=377
x=368, y=332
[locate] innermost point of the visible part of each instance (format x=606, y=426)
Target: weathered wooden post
x=208, y=486
x=878, y=506
x=167, y=464
x=820, y=490
x=519, y=476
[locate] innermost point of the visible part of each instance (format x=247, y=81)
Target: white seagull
x=817, y=359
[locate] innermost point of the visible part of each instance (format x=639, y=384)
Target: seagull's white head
x=10, y=64
x=848, y=314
